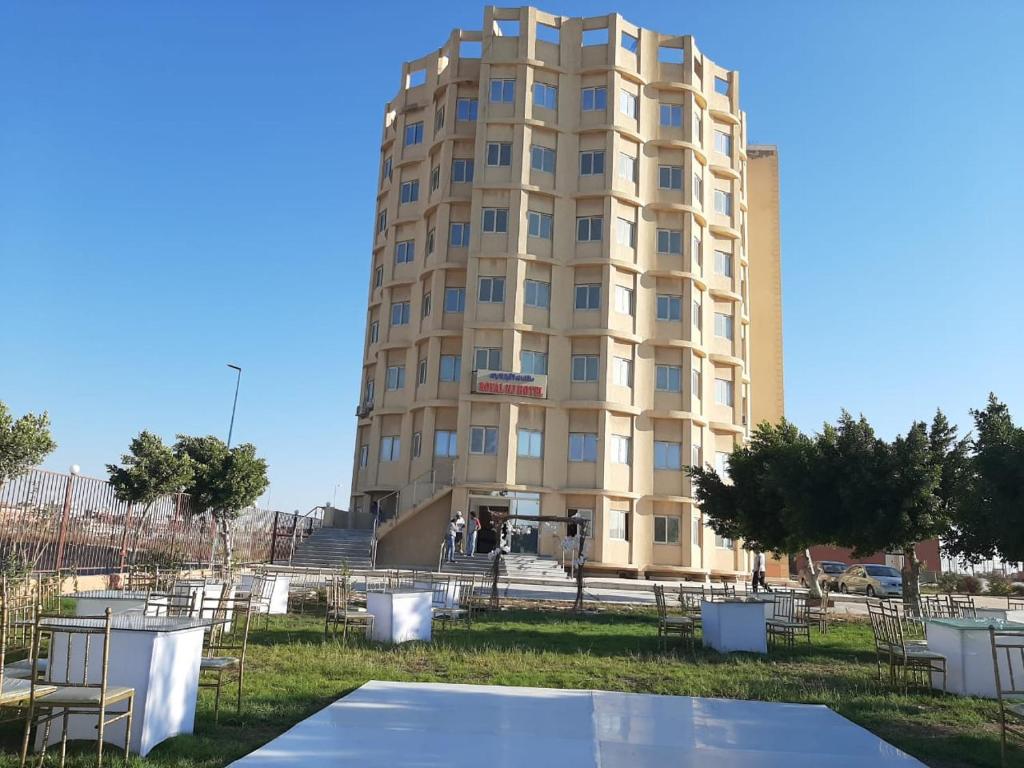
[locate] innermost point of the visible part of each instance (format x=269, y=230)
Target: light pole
x=238, y=382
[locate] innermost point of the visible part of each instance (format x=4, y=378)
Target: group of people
x=461, y=532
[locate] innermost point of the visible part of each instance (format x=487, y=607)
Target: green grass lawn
x=291, y=673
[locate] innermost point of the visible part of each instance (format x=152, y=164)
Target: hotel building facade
x=575, y=293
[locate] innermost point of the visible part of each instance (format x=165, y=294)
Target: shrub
x=948, y=582
x=969, y=585
x=998, y=585
x=1017, y=589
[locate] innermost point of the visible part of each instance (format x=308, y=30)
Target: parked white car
x=872, y=580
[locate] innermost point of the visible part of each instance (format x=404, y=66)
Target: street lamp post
x=238, y=382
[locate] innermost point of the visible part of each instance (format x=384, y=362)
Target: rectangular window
x=459, y=234
x=386, y=171
x=695, y=383
x=417, y=444
x=435, y=178
x=405, y=252
x=539, y=224
x=629, y=42
x=723, y=263
x=421, y=371
x=723, y=542
x=446, y=443
x=618, y=524
x=399, y=313
x=530, y=443
x=589, y=229
x=588, y=296
x=439, y=119
x=668, y=455
x=542, y=159
x=495, y=220
x=669, y=55
x=390, y=448
x=595, y=36
x=722, y=463
x=722, y=86
x=465, y=109
x=537, y=294
x=533, y=362
x=594, y=99
x=629, y=104
x=723, y=142
x=548, y=34
x=698, y=315
x=592, y=163
x=462, y=170
x=499, y=153
x=670, y=307
x=487, y=358
x=492, y=290
x=670, y=241
x=622, y=372
x=378, y=277
x=374, y=332
x=624, y=300
x=723, y=325
x=695, y=531
x=414, y=134
x=697, y=253
x=625, y=232
x=671, y=115
x=395, y=377
x=582, y=446
x=698, y=190
x=723, y=202
x=410, y=191
x=545, y=96
x=724, y=392
x=426, y=304
x=627, y=167
x=364, y=455
x=503, y=91
x=382, y=221
x=670, y=177
x=451, y=368
x=454, y=299
x=430, y=241
x=584, y=367
x=620, y=449
x=666, y=530
x=370, y=389
x=695, y=457
x=483, y=440
x=668, y=378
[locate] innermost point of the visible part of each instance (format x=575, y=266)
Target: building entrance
x=519, y=509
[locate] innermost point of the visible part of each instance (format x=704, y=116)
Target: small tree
x=24, y=442
x=150, y=471
x=224, y=482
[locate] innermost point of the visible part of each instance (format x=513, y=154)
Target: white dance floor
x=428, y=725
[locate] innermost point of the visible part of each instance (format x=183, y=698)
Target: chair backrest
x=659, y=599
x=339, y=590
x=440, y=587
x=689, y=601
x=464, y=588
x=72, y=644
x=21, y=603
x=1014, y=603
x=885, y=625
x=229, y=635
x=935, y=607
x=785, y=605
x=1008, y=660
x=174, y=603
x=962, y=607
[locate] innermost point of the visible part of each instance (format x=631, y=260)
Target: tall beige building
x=575, y=292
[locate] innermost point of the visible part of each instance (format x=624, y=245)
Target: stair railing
x=392, y=505
x=310, y=525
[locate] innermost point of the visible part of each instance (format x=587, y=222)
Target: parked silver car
x=872, y=580
x=829, y=572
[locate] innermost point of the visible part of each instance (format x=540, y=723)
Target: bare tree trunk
x=813, y=585
x=495, y=599
x=138, y=532
x=578, y=605
x=225, y=535
x=911, y=573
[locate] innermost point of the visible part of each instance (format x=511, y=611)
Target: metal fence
x=51, y=521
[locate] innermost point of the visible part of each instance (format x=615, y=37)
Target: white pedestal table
x=400, y=615
x=95, y=602
x=736, y=625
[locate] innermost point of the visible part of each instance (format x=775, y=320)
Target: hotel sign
x=507, y=383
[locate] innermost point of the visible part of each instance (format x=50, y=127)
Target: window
x=492, y=290
x=698, y=315
x=533, y=362
x=400, y=313
x=390, y=448
x=410, y=191
x=722, y=464
x=629, y=104
x=374, y=332
x=620, y=449
x=697, y=254
x=487, y=358
x=439, y=119
x=395, y=377
x=451, y=368
x=723, y=202
x=545, y=96
x=670, y=177
x=405, y=252
x=698, y=127
x=668, y=378
x=594, y=99
x=622, y=372
x=465, y=109
x=495, y=220
x=588, y=296
x=625, y=232
x=627, y=167
x=723, y=325
x=670, y=307
x=618, y=520
x=671, y=115
x=588, y=228
x=417, y=444
x=378, y=277
x=539, y=224
x=382, y=221
x=668, y=455
x=426, y=304
x=530, y=443
x=421, y=371
x=695, y=457
x=592, y=163
x=723, y=263
x=503, y=91
x=698, y=190
x=624, y=300
x=666, y=530
x=538, y=294
x=595, y=36
x=386, y=173
x=547, y=33
x=462, y=170
x=370, y=389
x=430, y=241
x=722, y=86
x=459, y=234
x=629, y=42
x=445, y=443
x=435, y=178
x=724, y=392
x=723, y=142
x=454, y=299
x=669, y=55
x=414, y=133
x=416, y=78
x=506, y=27
x=695, y=531
x=582, y=446
x=483, y=440
x=364, y=455
x=499, y=153
x=695, y=383
x=723, y=542
x=542, y=159
x=584, y=367
x=670, y=241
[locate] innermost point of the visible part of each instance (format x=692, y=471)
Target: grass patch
x=291, y=674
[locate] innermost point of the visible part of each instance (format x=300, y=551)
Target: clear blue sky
x=184, y=184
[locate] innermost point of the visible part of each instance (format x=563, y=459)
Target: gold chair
x=689, y=602
x=1014, y=603
x=935, y=607
x=789, y=618
x=915, y=659
x=70, y=687
x=818, y=615
x=670, y=625
x=226, y=644
x=450, y=605
x=174, y=603
x=341, y=612
x=15, y=690
x=1008, y=656
x=962, y=607
x=22, y=601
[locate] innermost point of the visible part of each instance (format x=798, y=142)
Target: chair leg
x=64, y=740
x=241, y=676
x=216, y=699
x=128, y=728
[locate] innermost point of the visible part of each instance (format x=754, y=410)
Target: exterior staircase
x=512, y=567
x=330, y=547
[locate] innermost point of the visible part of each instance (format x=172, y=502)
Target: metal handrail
x=428, y=479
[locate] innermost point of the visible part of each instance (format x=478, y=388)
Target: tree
x=224, y=482
x=151, y=471
x=24, y=442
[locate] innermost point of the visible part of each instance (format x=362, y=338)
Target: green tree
x=150, y=471
x=24, y=442
x=224, y=482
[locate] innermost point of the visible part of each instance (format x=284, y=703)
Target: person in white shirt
x=460, y=527
x=449, y=542
x=759, y=566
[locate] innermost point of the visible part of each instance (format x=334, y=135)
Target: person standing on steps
x=460, y=527
x=449, y=541
x=472, y=526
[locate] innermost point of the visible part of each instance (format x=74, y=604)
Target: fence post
x=64, y=518
x=273, y=539
x=124, y=537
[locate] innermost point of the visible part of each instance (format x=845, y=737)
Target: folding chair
x=1008, y=660
x=689, y=602
x=788, y=619
x=15, y=690
x=670, y=625
x=340, y=611
x=226, y=644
